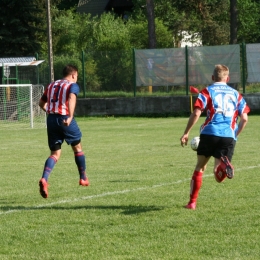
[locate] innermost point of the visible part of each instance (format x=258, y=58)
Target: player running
x=59, y=102
x=223, y=105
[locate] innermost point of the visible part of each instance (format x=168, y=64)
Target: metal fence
x=185, y=66
x=165, y=71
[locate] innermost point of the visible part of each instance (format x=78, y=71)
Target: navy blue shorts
x=58, y=132
x=216, y=146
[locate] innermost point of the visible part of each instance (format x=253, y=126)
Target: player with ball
x=223, y=105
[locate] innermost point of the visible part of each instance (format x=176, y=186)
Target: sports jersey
x=56, y=95
x=223, y=105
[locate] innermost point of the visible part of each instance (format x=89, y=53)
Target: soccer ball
x=195, y=143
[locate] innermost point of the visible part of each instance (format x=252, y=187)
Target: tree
x=66, y=29
x=248, y=21
x=137, y=30
x=217, y=21
x=67, y=4
x=233, y=21
x=207, y=19
x=151, y=24
x=19, y=27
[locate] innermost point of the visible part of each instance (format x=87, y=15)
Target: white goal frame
x=35, y=117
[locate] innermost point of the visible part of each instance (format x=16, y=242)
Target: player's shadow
x=126, y=210
x=125, y=181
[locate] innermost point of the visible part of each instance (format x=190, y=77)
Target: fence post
x=16, y=74
x=37, y=68
x=84, y=74
x=50, y=50
x=243, y=68
x=134, y=72
x=187, y=69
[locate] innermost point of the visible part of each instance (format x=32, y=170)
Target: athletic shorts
x=216, y=146
x=58, y=132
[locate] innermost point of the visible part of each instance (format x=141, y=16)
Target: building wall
x=144, y=106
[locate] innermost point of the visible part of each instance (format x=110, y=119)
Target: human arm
x=42, y=105
x=242, y=123
x=72, y=104
x=191, y=122
x=243, y=110
x=43, y=100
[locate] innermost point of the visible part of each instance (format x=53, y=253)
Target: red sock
x=195, y=184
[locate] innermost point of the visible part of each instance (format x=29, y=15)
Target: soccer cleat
x=43, y=188
x=220, y=175
x=191, y=205
x=227, y=167
x=84, y=182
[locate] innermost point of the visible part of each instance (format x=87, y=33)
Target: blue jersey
x=223, y=105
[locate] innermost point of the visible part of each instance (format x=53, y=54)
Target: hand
x=67, y=121
x=184, y=139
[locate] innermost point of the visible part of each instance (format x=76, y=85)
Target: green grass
x=133, y=209
x=252, y=88
x=144, y=93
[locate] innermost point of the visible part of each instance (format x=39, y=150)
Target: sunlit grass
x=160, y=91
x=133, y=208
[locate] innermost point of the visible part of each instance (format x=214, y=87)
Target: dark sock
x=81, y=163
x=48, y=167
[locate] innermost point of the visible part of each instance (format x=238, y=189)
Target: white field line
x=110, y=193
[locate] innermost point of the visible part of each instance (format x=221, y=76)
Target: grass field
x=133, y=209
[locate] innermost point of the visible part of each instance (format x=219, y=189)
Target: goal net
x=19, y=106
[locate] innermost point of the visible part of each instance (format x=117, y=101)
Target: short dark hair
x=69, y=69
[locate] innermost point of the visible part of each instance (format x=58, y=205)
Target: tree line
x=23, y=25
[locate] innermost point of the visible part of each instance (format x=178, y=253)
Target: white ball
x=194, y=143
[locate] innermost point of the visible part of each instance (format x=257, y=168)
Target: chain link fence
x=152, y=72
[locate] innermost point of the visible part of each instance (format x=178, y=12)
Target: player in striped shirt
x=223, y=105
x=59, y=102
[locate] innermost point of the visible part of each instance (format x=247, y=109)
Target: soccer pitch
x=134, y=207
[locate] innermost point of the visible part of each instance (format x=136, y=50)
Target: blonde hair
x=220, y=73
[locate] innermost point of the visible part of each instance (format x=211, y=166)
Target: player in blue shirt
x=223, y=105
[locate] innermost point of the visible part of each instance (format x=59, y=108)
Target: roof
x=97, y=7
x=20, y=61
x=121, y=3
x=94, y=7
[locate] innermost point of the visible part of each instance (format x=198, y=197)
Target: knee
x=203, y=169
x=76, y=147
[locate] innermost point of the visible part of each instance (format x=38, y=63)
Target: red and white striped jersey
x=57, y=96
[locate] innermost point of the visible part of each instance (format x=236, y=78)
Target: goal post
x=19, y=106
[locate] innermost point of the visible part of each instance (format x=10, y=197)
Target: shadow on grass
x=126, y=210
x=125, y=181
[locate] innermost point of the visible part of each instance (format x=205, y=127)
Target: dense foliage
x=23, y=30
x=108, y=40
x=20, y=24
